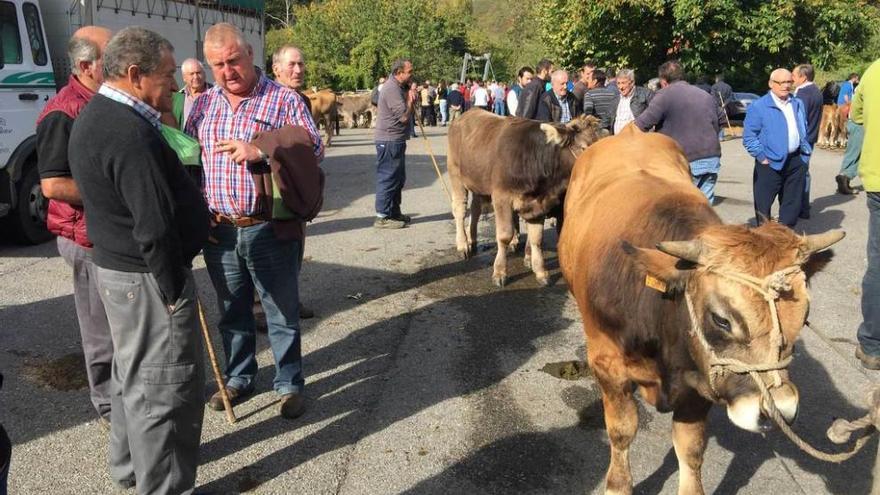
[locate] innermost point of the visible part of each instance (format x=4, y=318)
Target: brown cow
x=827, y=127
x=324, y=111
x=667, y=293
x=352, y=106
x=523, y=165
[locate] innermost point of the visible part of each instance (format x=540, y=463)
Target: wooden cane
x=724, y=109
x=227, y=405
x=433, y=160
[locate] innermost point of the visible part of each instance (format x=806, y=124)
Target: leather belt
x=237, y=221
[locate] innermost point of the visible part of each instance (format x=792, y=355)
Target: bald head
x=559, y=82
x=86, y=51
x=780, y=83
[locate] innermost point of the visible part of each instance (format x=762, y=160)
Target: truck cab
x=27, y=82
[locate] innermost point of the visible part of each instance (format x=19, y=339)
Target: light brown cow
x=523, y=165
x=353, y=106
x=324, y=111
x=827, y=127
x=667, y=293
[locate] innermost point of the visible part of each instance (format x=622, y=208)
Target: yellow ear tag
x=655, y=283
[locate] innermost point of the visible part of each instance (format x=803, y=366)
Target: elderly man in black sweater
x=147, y=220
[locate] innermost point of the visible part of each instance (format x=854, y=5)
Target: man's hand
x=239, y=151
x=765, y=162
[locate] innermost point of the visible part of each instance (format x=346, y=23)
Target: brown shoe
x=236, y=396
x=305, y=312
x=292, y=406
x=868, y=361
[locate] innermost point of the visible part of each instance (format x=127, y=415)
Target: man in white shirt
x=480, y=97
x=524, y=77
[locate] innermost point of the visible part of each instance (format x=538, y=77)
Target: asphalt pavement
x=425, y=378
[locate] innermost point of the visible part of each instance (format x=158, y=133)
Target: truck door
x=26, y=78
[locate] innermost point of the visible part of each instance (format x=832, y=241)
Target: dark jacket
x=641, y=97
x=145, y=215
x=597, y=102
x=294, y=171
x=53, y=135
x=812, y=98
x=722, y=92
x=528, y=99
x=455, y=99
x=549, y=109
x=688, y=115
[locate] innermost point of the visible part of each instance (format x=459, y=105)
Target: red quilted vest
x=65, y=219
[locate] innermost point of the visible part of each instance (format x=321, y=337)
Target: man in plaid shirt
x=245, y=254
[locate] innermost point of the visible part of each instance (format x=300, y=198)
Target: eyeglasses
x=789, y=82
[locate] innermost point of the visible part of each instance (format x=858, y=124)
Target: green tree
x=349, y=44
x=745, y=38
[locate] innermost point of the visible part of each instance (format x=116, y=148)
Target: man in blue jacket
x=775, y=134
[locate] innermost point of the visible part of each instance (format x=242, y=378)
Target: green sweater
x=866, y=111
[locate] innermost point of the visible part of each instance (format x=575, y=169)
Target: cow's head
x=575, y=136
x=731, y=280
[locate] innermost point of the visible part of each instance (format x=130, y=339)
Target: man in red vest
x=66, y=219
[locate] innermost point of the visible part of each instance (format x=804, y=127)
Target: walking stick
x=227, y=405
x=724, y=109
x=434, y=160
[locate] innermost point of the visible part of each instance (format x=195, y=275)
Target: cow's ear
x=662, y=271
x=552, y=133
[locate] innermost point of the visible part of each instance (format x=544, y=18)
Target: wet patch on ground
x=65, y=373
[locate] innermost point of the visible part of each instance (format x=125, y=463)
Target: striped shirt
x=144, y=110
x=229, y=187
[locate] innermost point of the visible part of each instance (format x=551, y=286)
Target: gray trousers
x=94, y=330
x=158, y=383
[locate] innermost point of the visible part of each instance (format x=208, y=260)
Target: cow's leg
x=689, y=440
x=503, y=234
x=621, y=423
x=536, y=240
x=476, y=211
x=514, y=241
x=459, y=207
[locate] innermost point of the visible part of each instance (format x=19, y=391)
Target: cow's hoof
x=543, y=280
x=500, y=280
x=527, y=261
x=464, y=253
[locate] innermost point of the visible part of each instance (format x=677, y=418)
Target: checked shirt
x=229, y=187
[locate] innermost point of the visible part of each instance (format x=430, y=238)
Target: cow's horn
x=686, y=250
x=552, y=134
x=818, y=242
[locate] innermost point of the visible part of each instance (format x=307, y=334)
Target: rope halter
x=770, y=287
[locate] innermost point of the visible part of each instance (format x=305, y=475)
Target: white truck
x=34, y=64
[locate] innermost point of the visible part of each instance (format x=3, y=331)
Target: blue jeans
x=444, y=117
x=244, y=259
x=869, y=330
x=498, y=106
x=855, y=138
x=390, y=177
x=704, y=173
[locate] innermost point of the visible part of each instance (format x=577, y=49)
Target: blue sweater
x=765, y=131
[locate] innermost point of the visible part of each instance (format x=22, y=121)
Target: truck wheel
x=28, y=219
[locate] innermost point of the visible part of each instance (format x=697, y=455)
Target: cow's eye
x=720, y=322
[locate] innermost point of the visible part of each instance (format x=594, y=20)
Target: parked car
x=736, y=109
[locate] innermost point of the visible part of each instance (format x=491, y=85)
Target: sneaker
x=843, y=186
x=868, y=361
x=236, y=396
x=388, y=223
x=404, y=218
x=292, y=406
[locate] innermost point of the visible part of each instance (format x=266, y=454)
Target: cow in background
x=324, y=111
x=670, y=297
x=523, y=166
x=354, y=107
